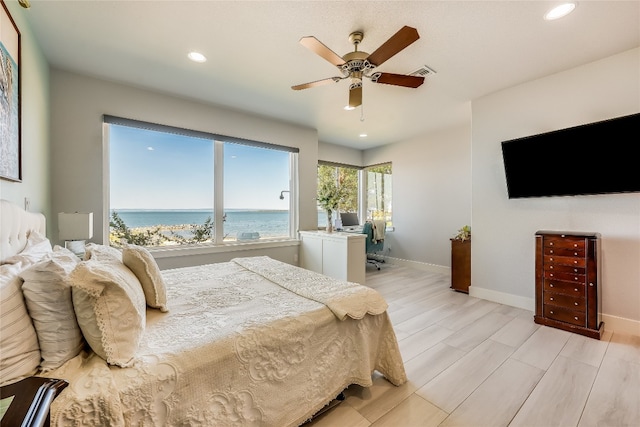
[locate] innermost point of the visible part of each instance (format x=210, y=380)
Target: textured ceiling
x=475, y=47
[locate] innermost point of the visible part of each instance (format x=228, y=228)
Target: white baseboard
x=418, y=265
x=503, y=298
x=621, y=325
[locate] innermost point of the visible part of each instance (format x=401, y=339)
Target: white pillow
x=144, y=266
x=36, y=248
x=110, y=308
x=48, y=298
x=101, y=252
x=20, y=355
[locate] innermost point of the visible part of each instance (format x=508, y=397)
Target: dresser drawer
x=566, y=288
x=565, y=260
x=565, y=243
x=573, y=302
x=565, y=315
x=567, y=277
x=572, y=252
x=561, y=268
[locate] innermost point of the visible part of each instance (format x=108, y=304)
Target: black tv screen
x=595, y=158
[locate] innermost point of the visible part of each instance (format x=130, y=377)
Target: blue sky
x=154, y=170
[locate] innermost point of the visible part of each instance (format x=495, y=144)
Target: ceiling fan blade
x=319, y=48
x=355, y=95
x=316, y=83
x=403, y=38
x=397, y=79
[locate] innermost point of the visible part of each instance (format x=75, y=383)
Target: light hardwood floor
x=472, y=362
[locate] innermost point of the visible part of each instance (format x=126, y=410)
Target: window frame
x=218, y=245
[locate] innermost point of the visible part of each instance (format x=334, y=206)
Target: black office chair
x=371, y=244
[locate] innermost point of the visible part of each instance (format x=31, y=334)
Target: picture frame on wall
x=10, y=98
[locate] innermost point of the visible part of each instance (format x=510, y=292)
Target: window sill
x=174, y=251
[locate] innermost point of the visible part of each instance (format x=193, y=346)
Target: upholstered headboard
x=15, y=226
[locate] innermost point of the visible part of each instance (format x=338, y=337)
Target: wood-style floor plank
x=472, y=362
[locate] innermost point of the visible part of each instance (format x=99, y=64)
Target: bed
x=250, y=342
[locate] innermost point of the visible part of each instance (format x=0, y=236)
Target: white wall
x=79, y=162
x=503, y=230
x=35, y=123
x=431, y=195
x=339, y=154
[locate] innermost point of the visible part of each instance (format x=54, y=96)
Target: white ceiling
x=254, y=55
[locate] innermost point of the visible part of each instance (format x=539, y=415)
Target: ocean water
x=267, y=223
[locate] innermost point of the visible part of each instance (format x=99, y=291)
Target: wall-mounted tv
x=596, y=158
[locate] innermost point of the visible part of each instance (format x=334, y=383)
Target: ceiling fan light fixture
x=196, y=56
x=349, y=107
x=560, y=11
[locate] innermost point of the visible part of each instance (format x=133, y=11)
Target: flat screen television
x=596, y=158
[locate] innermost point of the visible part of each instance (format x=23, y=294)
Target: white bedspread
x=236, y=349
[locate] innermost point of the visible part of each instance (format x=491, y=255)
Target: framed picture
x=10, y=108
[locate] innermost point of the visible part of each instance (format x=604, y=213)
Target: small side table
x=461, y=265
x=31, y=401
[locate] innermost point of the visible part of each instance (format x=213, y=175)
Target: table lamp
x=75, y=229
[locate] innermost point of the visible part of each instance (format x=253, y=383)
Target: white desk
x=338, y=255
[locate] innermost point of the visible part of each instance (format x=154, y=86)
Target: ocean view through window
x=180, y=187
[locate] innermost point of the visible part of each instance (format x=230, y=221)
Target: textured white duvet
x=250, y=342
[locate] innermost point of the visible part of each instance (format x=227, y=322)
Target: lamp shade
x=75, y=226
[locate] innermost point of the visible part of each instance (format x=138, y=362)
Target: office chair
x=374, y=241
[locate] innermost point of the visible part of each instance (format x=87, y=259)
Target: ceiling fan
x=356, y=65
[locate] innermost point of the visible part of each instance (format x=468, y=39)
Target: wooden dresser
x=568, y=282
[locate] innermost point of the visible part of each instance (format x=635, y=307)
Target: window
x=379, y=192
x=346, y=178
x=171, y=186
x=375, y=203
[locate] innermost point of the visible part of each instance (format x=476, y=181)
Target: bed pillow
x=36, y=248
x=48, y=297
x=144, y=266
x=110, y=308
x=101, y=252
x=20, y=355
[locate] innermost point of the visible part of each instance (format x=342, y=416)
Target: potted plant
x=329, y=197
x=464, y=233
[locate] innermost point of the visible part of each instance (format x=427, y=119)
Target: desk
x=338, y=255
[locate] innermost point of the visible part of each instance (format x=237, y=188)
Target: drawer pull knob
x=550, y=243
x=575, y=245
x=551, y=274
x=575, y=262
x=551, y=251
x=576, y=289
x=551, y=259
x=551, y=311
x=575, y=253
x=551, y=267
x=575, y=317
x=551, y=285
x=575, y=303
x=551, y=299
x=590, y=284
x=575, y=278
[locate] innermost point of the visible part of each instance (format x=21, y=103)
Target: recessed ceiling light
x=197, y=57
x=363, y=135
x=559, y=11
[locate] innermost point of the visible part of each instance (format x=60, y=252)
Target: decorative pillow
x=20, y=355
x=144, y=266
x=101, y=252
x=36, y=248
x=48, y=298
x=110, y=308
